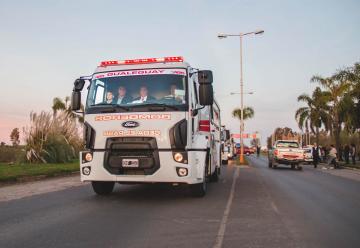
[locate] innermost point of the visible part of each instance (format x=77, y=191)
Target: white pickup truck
x=286, y=152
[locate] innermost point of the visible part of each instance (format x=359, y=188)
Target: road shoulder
x=18, y=191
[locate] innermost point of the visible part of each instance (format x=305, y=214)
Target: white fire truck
x=149, y=121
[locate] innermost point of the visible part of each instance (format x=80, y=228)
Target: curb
x=351, y=168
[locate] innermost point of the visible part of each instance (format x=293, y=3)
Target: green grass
x=15, y=172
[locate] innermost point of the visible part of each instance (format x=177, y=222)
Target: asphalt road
x=249, y=207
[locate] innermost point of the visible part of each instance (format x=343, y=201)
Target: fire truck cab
x=149, y=121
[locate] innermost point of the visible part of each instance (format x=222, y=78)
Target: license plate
x=130, y=163
x=290, y=156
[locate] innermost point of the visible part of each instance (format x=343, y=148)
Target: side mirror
x=206, y=94
x=76, y=100
x=205, y=77
x=79, y=84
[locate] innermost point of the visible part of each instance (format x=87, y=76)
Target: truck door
x=216, y=135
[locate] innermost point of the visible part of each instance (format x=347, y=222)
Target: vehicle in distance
x=226, y=147
x=247, y=150
x=150, y=120
x=286, y=152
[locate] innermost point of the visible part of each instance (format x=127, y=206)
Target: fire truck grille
x=141, y=149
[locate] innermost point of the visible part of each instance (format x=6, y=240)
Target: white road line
x=274, y=207
x=221, y=232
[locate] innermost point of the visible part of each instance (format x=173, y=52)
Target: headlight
x=180, y=157
x=88, y=157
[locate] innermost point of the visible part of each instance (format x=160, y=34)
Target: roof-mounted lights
x=141, y=61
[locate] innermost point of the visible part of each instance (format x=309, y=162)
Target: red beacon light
x=141, y=61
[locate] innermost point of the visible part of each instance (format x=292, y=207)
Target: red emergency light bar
x=141, y=61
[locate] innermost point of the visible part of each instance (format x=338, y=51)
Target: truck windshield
x=138, y=90
x=287, y=144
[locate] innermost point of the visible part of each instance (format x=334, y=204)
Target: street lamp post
x=241, y=35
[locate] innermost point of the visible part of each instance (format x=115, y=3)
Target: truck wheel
x=102, y=188
x=299, y=167
x=215, y=176
x=198, y=189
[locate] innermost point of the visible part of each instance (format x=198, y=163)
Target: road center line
x=221, y=232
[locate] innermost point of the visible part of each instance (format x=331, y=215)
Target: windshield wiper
x=158, y=105
x=113, y=106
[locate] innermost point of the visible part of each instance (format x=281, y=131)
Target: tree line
x=334, y=105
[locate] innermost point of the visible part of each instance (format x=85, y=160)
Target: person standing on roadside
x=315, y=154
x=346, y=153
x=353, y=153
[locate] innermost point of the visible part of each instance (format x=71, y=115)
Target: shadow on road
x=151, y=193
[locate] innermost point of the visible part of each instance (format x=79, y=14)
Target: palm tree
x=59, y=104
x=350, y=107
x=248, y=113
x=336, y=87
x=314, y=115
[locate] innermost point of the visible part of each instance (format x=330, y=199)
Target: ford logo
x=130, y=124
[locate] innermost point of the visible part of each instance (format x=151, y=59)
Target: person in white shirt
x=144, y=97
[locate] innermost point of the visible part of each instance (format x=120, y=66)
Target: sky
x=46, y=45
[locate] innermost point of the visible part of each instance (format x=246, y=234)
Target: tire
x=293, y=167
x=299, y=167
x=215, y=176
x=102, y=188
x=224, y=161
x=199, y=189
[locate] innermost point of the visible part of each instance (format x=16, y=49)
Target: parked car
x=247, y=150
